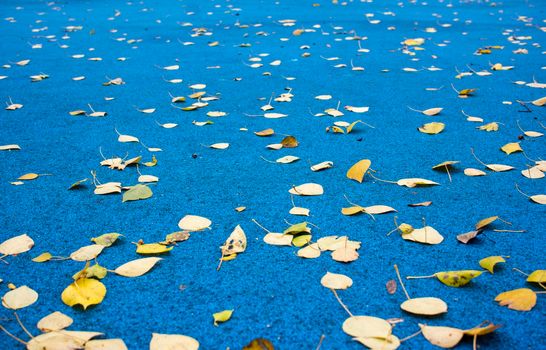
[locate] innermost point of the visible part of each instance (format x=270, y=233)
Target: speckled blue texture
x=275, y=294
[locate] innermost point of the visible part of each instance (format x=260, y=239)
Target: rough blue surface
x=275, y=294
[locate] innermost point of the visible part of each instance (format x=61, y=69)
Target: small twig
x=260, y=226
x=518, y=270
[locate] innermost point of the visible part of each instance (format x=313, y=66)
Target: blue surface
x=275, y=294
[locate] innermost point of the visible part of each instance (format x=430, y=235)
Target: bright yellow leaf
x=84, y=292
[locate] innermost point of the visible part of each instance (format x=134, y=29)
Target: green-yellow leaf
x=511, y=148
x=457, y=278
x=297, y=228
x=84, y=292
x=222, y=316
x=106, y=239
x=485, y=222
x=137, y=192
x=432, y=128
x=43, y=257
x=153, y=248
x=301, y=240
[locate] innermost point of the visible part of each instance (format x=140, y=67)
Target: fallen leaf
x=16, y=245
x=19, y=298
x=522, y=299
x=193, y=223
x=222, y=316
x=84, y=292
x=336, y=281
x=55, y=321
x=358, y=170
x=136, y=268
x=444, y=337
x=490, y=262
x=173, y=341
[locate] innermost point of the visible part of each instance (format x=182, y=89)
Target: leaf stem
x=260, y=226
x=411, y=336
x=419, y=277
x=341, y=302
x=22, y=325
x=400, y=280
x=12, y=336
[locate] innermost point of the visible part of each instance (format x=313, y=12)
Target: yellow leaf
x=29, y=176
x=259, y=344
x=482, y=330
x=358, y=170
x=84, y=292
x=222, y=316
x=484, y=222
x=511, y=148
x=152, y=163
x=538, y=276
x=539, y=102
x=489, y=127
x=357, y=209
x=490, y=262
x=432, y=128
x=523, y=299
x=289, y=142
x=152, y=248
x=266, y=132
x=457, y=278
x=352, y=125
x=42, y=257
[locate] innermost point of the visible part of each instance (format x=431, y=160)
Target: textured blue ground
x=275, y=294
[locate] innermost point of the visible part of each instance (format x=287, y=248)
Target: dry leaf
x=427, y=306
x=194, y=223
x=307, y=189
x=173, y=341
x=444, y=337
x=358, y=170
x=16, y=245
x=490, y=262
x=137, y=267
x=55, y=321
x=336, y=281
x=432, y=128
x=523, y=299
x=19, y=298
x=367, y=327
x=510, y=148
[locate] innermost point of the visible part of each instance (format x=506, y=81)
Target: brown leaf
x=466, y=237
x=391, y=286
